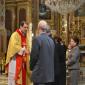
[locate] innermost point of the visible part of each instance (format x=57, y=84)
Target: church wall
x=16, y=7
x=33, y=11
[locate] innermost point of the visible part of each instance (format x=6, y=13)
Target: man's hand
x=22, y=51
x=27, y=52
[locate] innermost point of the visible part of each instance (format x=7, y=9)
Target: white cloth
x=11, y=72
x=11, y=82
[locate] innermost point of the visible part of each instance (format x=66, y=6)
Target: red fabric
x=20, y=64
x=24, y=74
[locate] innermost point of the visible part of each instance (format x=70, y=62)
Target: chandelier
x=64, y=6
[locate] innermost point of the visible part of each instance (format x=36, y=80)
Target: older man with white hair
x=42, y=57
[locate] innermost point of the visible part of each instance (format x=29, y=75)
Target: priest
x=18, y=54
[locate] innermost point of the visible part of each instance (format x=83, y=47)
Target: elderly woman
x=73, y=61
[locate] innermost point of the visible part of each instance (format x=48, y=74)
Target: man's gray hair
x=48, y=29
x=43, y=25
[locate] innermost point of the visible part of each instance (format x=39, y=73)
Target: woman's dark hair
x=58, y=39
x=76, y=39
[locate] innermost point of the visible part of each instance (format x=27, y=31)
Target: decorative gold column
x=29, y=11
x=2, y=35
x=2, y=26
x=57, y=23
x=35, y=15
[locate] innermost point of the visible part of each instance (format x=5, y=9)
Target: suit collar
x=43, y=33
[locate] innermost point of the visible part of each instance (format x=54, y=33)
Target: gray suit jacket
x=74, y=56
x=42, y=59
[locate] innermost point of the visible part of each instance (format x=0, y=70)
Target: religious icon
x=44, y=12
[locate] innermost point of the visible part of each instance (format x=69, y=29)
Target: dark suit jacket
x=57, y=53
x=42, y=59
x=59, y=64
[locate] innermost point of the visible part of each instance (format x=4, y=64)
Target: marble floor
x=3, y=80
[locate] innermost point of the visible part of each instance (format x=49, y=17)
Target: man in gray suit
x=42, y=57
